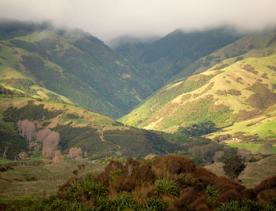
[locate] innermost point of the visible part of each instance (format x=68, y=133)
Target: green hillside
x=248, y=45
x=97, y=135
x=74, y=64
x=236, y=92
x=21, y=98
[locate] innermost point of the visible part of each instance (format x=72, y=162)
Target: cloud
x=108, y=19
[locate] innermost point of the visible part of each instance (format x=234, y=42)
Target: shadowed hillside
x=161, y=59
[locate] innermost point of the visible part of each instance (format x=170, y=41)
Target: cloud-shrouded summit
x=108, y=19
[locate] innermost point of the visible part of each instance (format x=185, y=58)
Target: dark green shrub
x=199, y=129
x=85, y=187
x=115, y=173
x=245, y=205
x=155, y=204
x=212, y=194
x=102, y=203
x=60, y=205
x=271, y=206
x=53, y=204
x=233, y=163
x=167, y=187
x=124, y=201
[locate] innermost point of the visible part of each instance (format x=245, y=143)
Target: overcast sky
x=108, y=19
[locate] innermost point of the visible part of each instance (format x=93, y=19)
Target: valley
x=139, y=124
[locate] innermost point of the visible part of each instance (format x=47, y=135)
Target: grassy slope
x=257, y=171
x=48, y=74
x=39, y=180
x=250, y=45
x=20, y=84
x=223, y=93
x=253, y=173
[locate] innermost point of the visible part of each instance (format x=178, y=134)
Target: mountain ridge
x=163, y=58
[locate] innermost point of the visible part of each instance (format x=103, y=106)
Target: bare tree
x=42, y=134
x=50, y=144
x=4, y=155
x=26, y=129
x=57, y=158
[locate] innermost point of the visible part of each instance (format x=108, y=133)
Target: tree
x=199, y=129
x=204, y=153
x=233, y=163
x=50, y=144
x=42, y=134
x=26, y=129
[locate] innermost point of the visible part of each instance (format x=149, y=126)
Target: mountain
x=235, y=90
x=51, y=79
x=29, y=111
x=84, y=69
x=57, y=80
x=161, y=59
x=74, y=64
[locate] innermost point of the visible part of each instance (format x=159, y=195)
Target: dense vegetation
x=165, y=183
x=199, y=129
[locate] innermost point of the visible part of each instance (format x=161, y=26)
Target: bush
x=233, y=164
x=246, y=205
x=167, y=187
x=271, y=206
x=60, y=205
x=124, y=201
x=199, y=129
x=52, y=204
x=155, y=204
x=85, y=187
x=212, y=195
